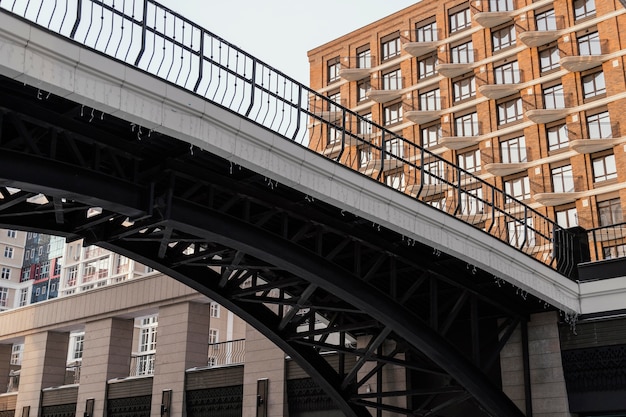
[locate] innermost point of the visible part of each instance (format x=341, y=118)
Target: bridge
x=133, y=128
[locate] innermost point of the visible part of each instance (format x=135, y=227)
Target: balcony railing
x=142, y=364
x=194, y=59
x=608, y=242
x=227, y=353
x=72, y=373
x=14, y=381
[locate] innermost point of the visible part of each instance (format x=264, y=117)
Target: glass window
x=430, y=135
x=610, y=212
x=589, y=44
x=426, y=33
x=507, y=74
x=470, y=160
x=8, y=252
x=464, y=88
x=23, y=297
x=549, y=58
x=5, y=273
x=395, y=180
x=472, y=202
x=513, y=150
x=427, y=65
x=518, y=188
x=593, y=84
x=463, y=53
x=521, y=233
x=599, y=126
x=557, y=137
x=604, y=168
x=567, y=218
x=510, y=111
x=364, y=58
x=333, y=66
x=11, y=234
x=584, y=8
x=390, y=47
x=364, y=126
x=562, y=179
x=546, y=20
x=4, y=297
x=393, y=114
x=77, y=346
x=215, y=310
x=500, y=5
x=430, y=100
x=460, y=20
x=394, y=148
x=553, y=97
x=363, y=87
x=334, y=100
x=503, y=38
x=433, y=173
x=392, y=80
x=214, y=336
x=467, y=125
x=365, y=156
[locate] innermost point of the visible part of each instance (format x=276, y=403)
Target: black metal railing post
x=144, y=33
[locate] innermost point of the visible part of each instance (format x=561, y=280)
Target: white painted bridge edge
x=38, y=58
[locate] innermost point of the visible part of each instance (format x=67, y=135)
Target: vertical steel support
x=144, y=32
x=253, y=84
x=79, y=12
x=201, y=63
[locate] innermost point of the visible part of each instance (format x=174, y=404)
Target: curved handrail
x=155, y=39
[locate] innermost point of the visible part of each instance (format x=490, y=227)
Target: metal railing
x=142, y=364
x=72, y=373
x=154, y=39
x=14, y=381
x=227, y=353
x=608, y=242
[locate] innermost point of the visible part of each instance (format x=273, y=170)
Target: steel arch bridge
x=281, y=260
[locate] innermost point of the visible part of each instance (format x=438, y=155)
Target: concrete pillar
x=548, y=391
x=43, y=366
x=106, y=355
x=182, y=343
x=264, y=360
x=5, y=366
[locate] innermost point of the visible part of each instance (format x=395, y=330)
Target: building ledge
x=585, y=146
x=335, y=147
x=492, y=19
x=496, y=91
x=384, y=96
x=427, y=189
x=503, y=169
x=473, y=218
x=453, y=70
x=539, y=116
x=459, y=142
x=533, y=38
x=422, y=116
x=328, y=115
x=354, y=74
x=582, y=62
x=419, y=48
x=556, y=199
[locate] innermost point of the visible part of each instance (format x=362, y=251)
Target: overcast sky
x=280, y=32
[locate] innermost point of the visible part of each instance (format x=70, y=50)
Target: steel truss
x=309, y=276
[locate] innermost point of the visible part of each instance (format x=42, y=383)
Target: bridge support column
x=548, y=394
x=5, y=365
x=107, y=351
x=183, y=343
x=43, y=366
x=264, y=361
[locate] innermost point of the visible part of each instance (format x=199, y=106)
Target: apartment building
x=14, y=292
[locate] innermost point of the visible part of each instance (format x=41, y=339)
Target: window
x=392, y=80
x=427, y=65
x=148, y=334
x=77, y=346
x=25, y=274
x=333, y=66
x=464, y=88
x=57, y=267
x=507, y=73
x=38, y=291
x=557, y=137
x=437, y=202
x=215, y=310
x=363, y=87
x=510, y=111
x=546, y=20
x=45, y=269
x=470, y=160
x=604, y=168
x=394, y=148
x=8, y=252
x=364, y=57
x=333, y=135
x=567, y=218
x=430, y=100
x=395, y=180
x=460, y=20
x=521, y=233
x=364, y=124
x=553, y=97
x=4, y=297
x=549, y=58
x=214, y=336
x=593, y=84
x=513, y=150
x=463, y=53
x=589, y=44
x=6, y=273
x=616, y=251
x=72, y=274
x=562, y=179
x=500, y=5
x=610, y=212
x=23, y=297
x=472, y=202
x=433, y=173
x=518, y=188
x=334, y=99
x=584, y=8
x=466, y=125
x=16, y=354
x=11, y=234
x=430, y=135
x=599, y=126
x=426, y=32
x=392, y=113
x=503, y=38
x=365, y=156
x=390, y=46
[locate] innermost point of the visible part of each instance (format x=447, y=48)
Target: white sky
x=280, y=32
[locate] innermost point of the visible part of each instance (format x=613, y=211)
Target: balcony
x=556, y=199
x=506, y=84
x=227, y=353
x=142, y=364
x=591, y=53
x=548, y=29
x=429, y=109
x=459, y=62
x=327, y=110
x=422, y=42
x=499, y=12
x=501, y=169
x=389, y=88
x=355, y=68
x=605, y=136
x=467, y=134
x=72, y=373
x=556, y=106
